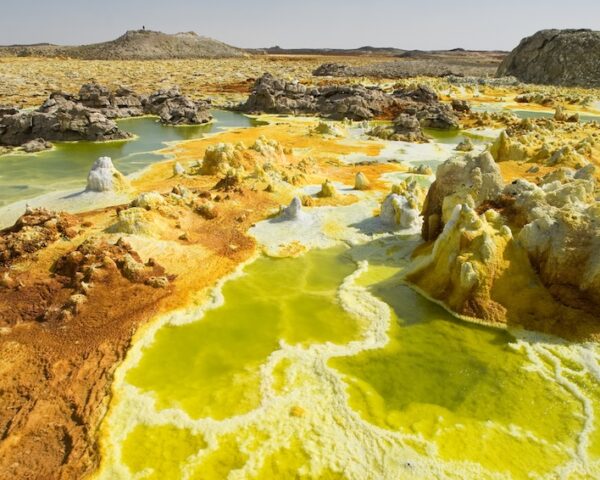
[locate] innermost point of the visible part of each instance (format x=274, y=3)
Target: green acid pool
x=66, y=166
x=324, y=367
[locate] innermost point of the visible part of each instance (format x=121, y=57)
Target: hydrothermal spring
x=328, y=366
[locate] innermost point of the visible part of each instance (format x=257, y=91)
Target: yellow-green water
x=66, y=166
x=326, y=366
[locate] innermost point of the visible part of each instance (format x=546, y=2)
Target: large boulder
x=556, y=57
x=93, y=95
x=173, y=108
x=273, y=95
x=121, y=103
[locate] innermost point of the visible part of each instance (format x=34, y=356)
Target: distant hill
x=135, y=45
x=329, y=51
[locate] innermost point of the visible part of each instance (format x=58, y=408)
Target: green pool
x=66, y=166
x=322, y=367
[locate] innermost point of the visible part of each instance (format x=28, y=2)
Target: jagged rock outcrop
x=355, y=102
x=420, y=94
x=174, y=108
x=88, y=115
x=121, y=103
x=34, y=230
x=468, y=180
x=556, y=57
x=60, y=118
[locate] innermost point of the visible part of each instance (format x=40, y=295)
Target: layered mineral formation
x=518, y=254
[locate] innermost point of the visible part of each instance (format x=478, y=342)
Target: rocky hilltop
x=135, y=45
x=556, y=57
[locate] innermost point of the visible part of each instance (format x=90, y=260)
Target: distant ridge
x=135, y=45
x=367, y=50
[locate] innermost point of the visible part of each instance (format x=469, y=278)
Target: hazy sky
x=421, y=24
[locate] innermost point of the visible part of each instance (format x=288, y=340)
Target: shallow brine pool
x=66, y=166
x=327, y=366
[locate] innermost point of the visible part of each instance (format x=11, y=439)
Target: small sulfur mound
x=327, y=190
x=134, y=221
x=327, y=128
x=221, y=158
x=466, y=145
x=401, y=208
x=421, y=170
x=361, y=182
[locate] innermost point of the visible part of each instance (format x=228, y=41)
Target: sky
x=417, y=24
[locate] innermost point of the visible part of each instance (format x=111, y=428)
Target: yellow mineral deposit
x=286, y=295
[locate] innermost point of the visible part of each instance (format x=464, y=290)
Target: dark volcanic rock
x=60, y=118
x=36, y=145
x=122, y=103
x=333, y=70
x=7, y=110
x=92, y=95
x=272, y=95
x=422, y=94
x=174, y=108
x=356, y=102
x=440, y=116
x=353, y=101
x=88, y=116
x=126, y=102
x=460, y=106
x=556, y=57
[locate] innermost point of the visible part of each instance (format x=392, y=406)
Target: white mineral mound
x=104, y=177
x=294, y=210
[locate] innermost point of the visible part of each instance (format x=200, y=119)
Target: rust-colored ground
x=56, y=387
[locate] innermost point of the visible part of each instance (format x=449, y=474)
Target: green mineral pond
x=326, y=366
x=290, y=377
x=66, y=166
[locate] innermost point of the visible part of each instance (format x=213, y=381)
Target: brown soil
x=55, y=389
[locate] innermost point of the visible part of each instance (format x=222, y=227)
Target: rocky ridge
x=556, y=57
x=415, y=107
